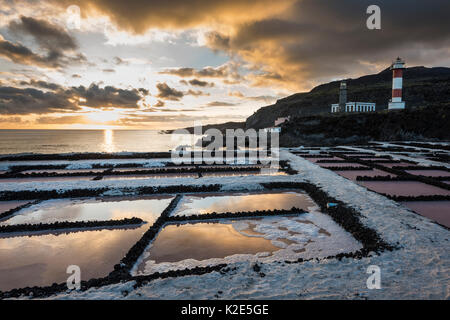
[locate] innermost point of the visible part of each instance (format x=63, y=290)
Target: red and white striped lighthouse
x=397, y=68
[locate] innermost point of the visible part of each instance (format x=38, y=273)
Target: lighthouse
x=397, y=68
x=342, y=96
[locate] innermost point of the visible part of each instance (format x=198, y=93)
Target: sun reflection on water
x=108, y=140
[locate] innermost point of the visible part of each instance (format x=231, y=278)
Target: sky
x=153, y=64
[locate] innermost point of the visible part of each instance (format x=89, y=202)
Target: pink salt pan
x=404, y=188
x=438, y=211
x=340, y=164
x=430, y=173
x=352, y=174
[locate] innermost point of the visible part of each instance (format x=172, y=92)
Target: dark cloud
x=109, y=70
x=168, y=93
x=18, y=53
x=30, y=100
x=315, y=40
x=48, y=36
x=48, y=98
x=200, y=83
x=56, y=47
x=76, y=76
x=108, y=97
x=41, y=84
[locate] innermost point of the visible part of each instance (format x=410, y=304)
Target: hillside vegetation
x=421, y=87
x=421, y=123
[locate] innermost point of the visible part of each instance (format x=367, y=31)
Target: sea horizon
x=46, y=141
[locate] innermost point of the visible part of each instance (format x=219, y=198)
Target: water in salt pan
x=244, y=173
x=404, y=188
x=430, y=173
x=8, y=205
x=63, y=171
x=438, y=211
x=340, y=164
x=45, y=179
x=43, y=260
x=374, y=159
x=314, y=160
x=266, y=239
x=238, y=202
x=352, y=174
x=133, y=169
x=146, y=208
x=397, y=164
x=151, y=176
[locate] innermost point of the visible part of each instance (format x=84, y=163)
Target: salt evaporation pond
x=438, y=211
x=430, y=173
x=352, y=174
x=238, y=202
x=340, y=164
x=64, y=171
x=267, y=239
x=8, y=205
x=46, y=179
x=43, y=260
x=147, y=208
x=314, y=160
x=397, y=164
x=150, y=176
x=244, y=173
x=404, y=188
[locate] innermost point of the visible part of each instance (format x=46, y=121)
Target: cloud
x=62, y=120
x=30, y=100
x=119, y=61
x=45, y=98
x=316, y=40
x=161, y=119
x=159, y=103
x=108, y=97
x=237, y=94
x=10, y=120
x=57, y=46
x=196, y=93
x=220, y=104
x=137, y=16
x=168, y=93
x=198, y=83
x=207, y=72
x=47, y=35
x=41, y=84
x=109, y=70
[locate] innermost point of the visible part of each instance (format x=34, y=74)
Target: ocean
x=64, y=141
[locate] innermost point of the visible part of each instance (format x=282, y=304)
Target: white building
x=344, y=106
x=355, y=107
x=273, y=129
x=281, y=120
